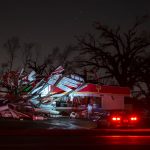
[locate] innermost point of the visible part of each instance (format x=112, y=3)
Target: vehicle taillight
x=118, y=118
x=133, y=118
x=115, y=118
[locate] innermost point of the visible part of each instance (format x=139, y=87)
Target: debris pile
x=33, y=97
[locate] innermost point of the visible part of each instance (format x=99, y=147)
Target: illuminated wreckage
x=34, y=98
x=57, y=94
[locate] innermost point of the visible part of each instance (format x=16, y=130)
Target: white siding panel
x=111, y=102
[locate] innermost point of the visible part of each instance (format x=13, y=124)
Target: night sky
x=54, y=23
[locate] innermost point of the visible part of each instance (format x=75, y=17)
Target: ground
x=53, y=123
x=68, y=134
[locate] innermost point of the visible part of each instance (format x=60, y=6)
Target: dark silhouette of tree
x=52, y=60
x=11, y=46
x=119, y=54
x=66, y=59
x=60, y=57
x=3, y=69
x=144, y=84
x=33, y=58
x=38, y=68
x=27, y=54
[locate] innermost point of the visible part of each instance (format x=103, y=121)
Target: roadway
x=80, y=134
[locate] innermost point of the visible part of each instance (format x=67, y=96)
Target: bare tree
x=27, y=54
x=38, y=68
x=51, y=61
x=66, y=59
x=11, y=46
x=33, y=58
x=118, y=54
x=144, y=84
x=4, y=67
x=61, y=57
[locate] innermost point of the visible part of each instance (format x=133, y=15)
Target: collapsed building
x=55, y=94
